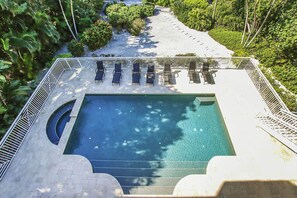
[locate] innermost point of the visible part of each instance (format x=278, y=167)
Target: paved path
x=164, y=35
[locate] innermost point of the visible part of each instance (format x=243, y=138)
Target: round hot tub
x=57, y=122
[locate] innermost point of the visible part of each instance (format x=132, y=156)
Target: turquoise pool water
x=149, y=141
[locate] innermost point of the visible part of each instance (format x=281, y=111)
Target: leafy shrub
x=84, y=23
x=97, y=35
x=287, y=75
x=186, y=54
x=107, y=5
x=121, y=16
x=136, y=26
x=199, y=19
x=232, y=22
x=118, y=19
x=147, y=10
x=230, y=14
x=114, y=8
x=85, y=12
x=133, y=12
x=76, y=48
x=203, y=4
x=181, y=10
x=149, y=2
x=267, y=55
x=163, y=3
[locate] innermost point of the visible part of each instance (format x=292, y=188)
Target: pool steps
x=206, y=99
x=162, y=175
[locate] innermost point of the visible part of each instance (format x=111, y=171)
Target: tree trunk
x=214, y=11
x=253, y=24
x=261, y=26
x=62, y=9
x=246, y=21
x=73, y=19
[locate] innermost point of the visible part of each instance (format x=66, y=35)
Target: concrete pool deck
x=262, y=166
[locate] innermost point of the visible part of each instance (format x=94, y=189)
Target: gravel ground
x=164, y=35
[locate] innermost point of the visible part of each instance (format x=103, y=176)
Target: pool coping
x=69, y=126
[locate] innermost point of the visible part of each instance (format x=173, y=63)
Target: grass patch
x=230, y=39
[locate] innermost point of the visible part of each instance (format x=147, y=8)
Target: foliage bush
x=181, y=10
x=149, y=2
x=203, y=4
x=76, y=48
x=230, y=14
x=130, y=17
x=193, y=13
x=186, y=54
x=85, y=12
x=15, y=93
x=118, y=19
x=199, y=19
x=287, y=72
x=114, y=7
x=163, y=2
x=97, y=35
x=136, y=27
x=147, y=11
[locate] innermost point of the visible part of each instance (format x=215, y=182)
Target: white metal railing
x=271, y=98
x=15, y=135
x=288, y=117
x=281, y=121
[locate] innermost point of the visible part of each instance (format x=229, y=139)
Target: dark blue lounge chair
x=136, y=78
x=136, y=68
x=193, y=74
x=136, y=74
x=151, y=69
x=194, y=77
x=100, y=66
x=99, y=76
x=99, y=72
x=117, y=74
x=167, y=75
x=207, y=75
x=192, y=67
x=167, y=68
x=205, y=67
x=150, y=76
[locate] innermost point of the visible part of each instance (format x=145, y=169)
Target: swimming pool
x=149, y=141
